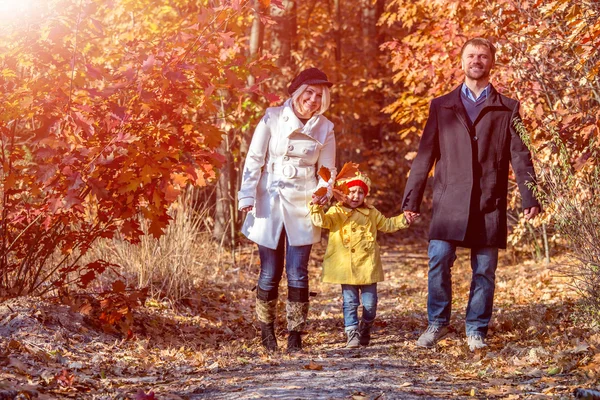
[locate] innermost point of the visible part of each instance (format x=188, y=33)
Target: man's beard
x=480, y=74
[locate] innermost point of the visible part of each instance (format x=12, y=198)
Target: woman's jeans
x=296, y=266
x=481, y=296
x=351, y=294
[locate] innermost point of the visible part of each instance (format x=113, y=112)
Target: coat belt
x=290, y=169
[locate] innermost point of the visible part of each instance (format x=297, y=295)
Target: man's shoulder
x=447, y=98
x=510, y=102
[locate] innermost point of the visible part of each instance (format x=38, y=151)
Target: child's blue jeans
x=352, y=296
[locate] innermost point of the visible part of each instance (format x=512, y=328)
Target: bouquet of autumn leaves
x=340, y=191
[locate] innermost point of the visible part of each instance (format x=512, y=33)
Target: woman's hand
x=246, y=209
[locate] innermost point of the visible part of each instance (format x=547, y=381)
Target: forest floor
x=209, y=348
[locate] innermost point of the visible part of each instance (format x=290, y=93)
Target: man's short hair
x=479, y=42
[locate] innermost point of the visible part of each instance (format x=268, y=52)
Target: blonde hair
x=325, y=98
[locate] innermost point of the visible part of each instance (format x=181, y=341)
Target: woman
x=288, y=147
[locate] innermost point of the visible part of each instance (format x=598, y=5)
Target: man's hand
x=411, y=216
x=531, y=212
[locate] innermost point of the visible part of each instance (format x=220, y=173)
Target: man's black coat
x=471, y=169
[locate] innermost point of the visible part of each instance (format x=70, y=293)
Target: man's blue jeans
x=484, y=261
x=272, y=264
x=352, y=295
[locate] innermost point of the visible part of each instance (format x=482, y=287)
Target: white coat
x=280, y=176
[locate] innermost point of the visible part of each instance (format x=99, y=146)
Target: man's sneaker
x=476, y=342
x=353, y=339
x=432, y=335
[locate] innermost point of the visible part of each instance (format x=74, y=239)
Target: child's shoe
x=364, y=330
x=353, y=339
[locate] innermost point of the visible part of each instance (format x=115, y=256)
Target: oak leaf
x=349, y=170
x=324, y=173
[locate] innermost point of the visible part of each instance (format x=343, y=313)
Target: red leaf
x=325, y=173
x=86, y=278
x=320, y=192
x=55, y=204
x=118, y=286
x=141, y=395
x=157, y=227
x=149, y=63
x=349, y=170
x=94, y=72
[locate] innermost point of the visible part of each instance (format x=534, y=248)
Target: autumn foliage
x=107, y=116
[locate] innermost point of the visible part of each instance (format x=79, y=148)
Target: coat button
x=474, y=138
x=286, y=158
x=281, y=184
x=285, y=118
x=305, y=151
x=290, y=147
x=353, y=250
x=353, y=229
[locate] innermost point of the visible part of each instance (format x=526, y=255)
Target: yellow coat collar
x=364, y=209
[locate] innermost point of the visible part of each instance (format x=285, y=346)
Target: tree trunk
x=225, y=215
x=372, y=38
x=284, y=32
x=256, y=36
x=227, y=219
x=338, y=30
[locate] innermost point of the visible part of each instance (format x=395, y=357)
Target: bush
x=571, y=195
x=174, y=265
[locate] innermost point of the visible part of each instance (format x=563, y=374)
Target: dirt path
x=211, y=350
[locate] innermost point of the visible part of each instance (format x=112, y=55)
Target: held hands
x=411, y=216
x=530, y=213
x=323, y=193
x=319, y=200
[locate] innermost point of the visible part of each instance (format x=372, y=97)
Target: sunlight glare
x=15, y=11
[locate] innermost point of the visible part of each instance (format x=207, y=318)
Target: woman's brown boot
x=296, y=313
x=265, y=312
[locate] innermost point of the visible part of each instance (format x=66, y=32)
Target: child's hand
x=319, y=200
x=411, y=216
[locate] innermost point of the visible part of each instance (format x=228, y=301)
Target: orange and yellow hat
x=360, y=179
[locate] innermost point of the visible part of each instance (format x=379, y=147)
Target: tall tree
x=283, y=39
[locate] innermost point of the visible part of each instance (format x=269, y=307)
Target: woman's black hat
x=310, y=76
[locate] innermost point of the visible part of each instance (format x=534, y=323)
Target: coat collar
x=493, y=98
x=453, y=101
x=293, y=123
x=365, y=209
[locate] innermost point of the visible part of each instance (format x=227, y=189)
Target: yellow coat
x=352, y=255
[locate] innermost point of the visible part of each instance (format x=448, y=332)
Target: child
x=352, y=256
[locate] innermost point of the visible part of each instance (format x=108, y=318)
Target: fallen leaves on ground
x=210, y=345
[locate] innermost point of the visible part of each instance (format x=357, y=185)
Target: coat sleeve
x=327, y=155
x=390, y=225
x=520, y=159
x=331, y=220
x=428, y=153
x=255, y=160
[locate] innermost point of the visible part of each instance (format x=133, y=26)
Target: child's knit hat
x=360, y=179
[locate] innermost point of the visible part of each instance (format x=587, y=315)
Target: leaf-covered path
x=210, y=349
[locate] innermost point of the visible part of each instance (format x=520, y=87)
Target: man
x=470, y=135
